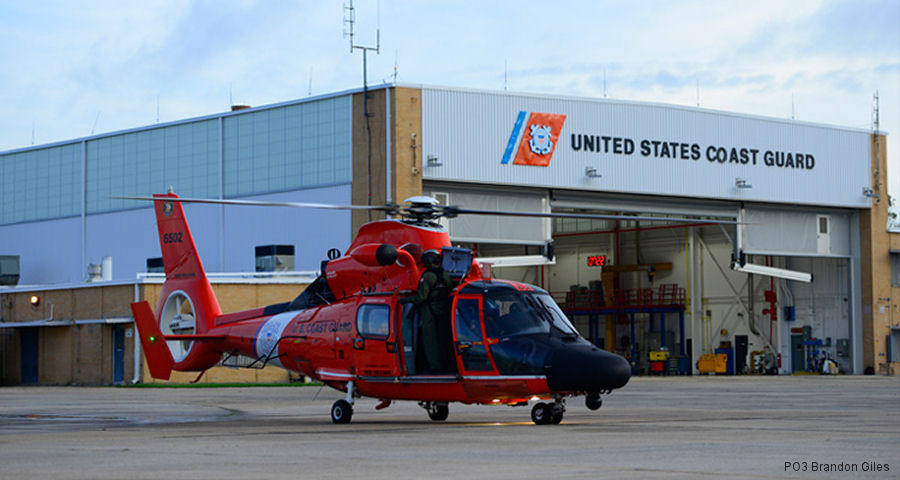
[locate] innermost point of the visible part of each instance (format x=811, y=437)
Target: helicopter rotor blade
x=264, y=203
x=418, y=208
x=454, y=211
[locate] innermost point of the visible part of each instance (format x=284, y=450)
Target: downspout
x=137, y=343
x=389, y=194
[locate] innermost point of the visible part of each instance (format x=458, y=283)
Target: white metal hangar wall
x=796, y=187
x=56, y=213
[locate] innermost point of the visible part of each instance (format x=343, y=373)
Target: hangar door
x=817, y=318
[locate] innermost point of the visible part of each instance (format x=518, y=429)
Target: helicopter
x=510, y=343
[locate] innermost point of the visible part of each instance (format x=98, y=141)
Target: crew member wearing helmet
x=433, y=299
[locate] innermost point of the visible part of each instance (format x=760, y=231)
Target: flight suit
x=432, y=297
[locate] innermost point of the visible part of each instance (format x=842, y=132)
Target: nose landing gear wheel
x=593, y=401
x=341, y=411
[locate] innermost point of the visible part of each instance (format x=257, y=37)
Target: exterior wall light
x=742, y=183
x=591, y=172
x=868, y=192
x=35, y=300
x=433, y=161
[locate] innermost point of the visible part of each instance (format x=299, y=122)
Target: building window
x=184, y=157
x=40, y=184
x=373, y=321
x=288, y=148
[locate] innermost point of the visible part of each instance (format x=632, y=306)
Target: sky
x=71, y=69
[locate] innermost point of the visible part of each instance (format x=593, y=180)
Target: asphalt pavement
x=685, y=427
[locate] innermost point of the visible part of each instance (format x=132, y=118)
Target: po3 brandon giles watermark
x=850, y=467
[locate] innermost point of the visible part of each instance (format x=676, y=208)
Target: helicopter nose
x=587, y=370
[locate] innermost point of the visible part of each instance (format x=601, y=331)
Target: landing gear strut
x=342, y=410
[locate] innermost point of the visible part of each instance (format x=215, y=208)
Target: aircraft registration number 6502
x=174, y=237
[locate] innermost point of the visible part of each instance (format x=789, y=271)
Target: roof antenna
x=309, y=91
x=604, y=83
x=698, y=92
x=95, y=122
x=349, y=21
x=504, y=74
x=157, y=109
x=32, y=132
x=792, y=106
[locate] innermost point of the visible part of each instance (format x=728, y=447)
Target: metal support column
x=633, y=354
x=695, y=299
x=662, y=329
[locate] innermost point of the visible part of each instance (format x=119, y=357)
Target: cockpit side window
x=509, y=313
x=506, y=313
x=468, y=328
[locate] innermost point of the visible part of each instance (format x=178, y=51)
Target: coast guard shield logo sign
x=539, y=133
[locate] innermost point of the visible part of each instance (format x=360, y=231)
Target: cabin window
x=373, y=321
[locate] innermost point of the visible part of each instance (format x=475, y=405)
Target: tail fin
x=184, y=271
x=159, y=358
x=187, y=304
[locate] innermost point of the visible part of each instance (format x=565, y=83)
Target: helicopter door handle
x=359, y=344
x=391, y=347
x=460, y=346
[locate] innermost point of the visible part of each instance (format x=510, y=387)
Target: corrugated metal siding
x=468, y=132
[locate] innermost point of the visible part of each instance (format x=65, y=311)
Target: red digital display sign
x=596, y=260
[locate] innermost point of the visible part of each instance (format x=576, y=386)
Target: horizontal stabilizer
x=159, y=357
x=195, y=337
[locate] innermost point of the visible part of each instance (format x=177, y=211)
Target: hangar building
x=807, y=199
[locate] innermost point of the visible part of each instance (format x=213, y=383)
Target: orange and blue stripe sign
x=539, y=133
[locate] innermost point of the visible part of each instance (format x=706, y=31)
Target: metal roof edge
x=652, y=104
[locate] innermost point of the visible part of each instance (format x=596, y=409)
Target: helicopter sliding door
x=471, y=349
x=375, y=345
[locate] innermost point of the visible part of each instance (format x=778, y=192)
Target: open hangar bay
x=698, y=427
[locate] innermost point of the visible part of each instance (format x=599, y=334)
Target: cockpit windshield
x=510, y=312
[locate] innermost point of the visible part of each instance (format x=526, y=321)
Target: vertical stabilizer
x=159, y=357
x=187, y=304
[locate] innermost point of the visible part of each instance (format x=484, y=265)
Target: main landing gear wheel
x=543, y=414
x=341, y=411
x=593, y=401
x=438, y=412
x=557, y=417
